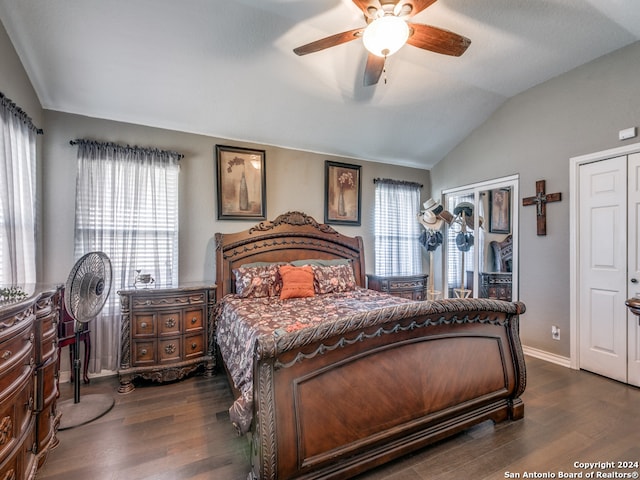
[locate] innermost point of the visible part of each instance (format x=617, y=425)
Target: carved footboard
x=369, y=389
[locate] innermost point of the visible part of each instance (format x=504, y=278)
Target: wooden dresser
x=28, y=388
x=166, y=333
x=413, y=287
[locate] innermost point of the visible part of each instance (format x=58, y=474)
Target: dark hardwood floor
x=181, y=431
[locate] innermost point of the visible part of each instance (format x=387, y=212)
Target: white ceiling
x=226, y=68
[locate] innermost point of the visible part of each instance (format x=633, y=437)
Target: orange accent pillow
x=297, y=282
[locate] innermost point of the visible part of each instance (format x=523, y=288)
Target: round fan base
x=87, y=410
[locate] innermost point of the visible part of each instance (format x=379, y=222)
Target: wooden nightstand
x=166, y=333
x=413, y=287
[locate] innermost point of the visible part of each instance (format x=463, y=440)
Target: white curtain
x=126, y=207
x=397, y=230
x=17, y=195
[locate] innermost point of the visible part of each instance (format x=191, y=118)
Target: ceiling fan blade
x=373, y=69
x=437, y=40
x=411, y=7
x=369, y=7
x=332, y=41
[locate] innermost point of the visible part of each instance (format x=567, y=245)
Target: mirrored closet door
x=480, y=248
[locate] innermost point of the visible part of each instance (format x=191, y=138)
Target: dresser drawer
x=15, y=416
x=16, y=358
x=46, y=338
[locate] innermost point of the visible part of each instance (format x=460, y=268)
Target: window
x=17, y=195
x=126, y=207
x=397, y=250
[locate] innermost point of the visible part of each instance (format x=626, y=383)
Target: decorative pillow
x=297, y=282
x=333, y=278
x=256, y=282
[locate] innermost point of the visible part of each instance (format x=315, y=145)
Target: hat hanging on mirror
x=464, y=241
x=434, y=207
x=430, y=221
x=466, y=208
x=431, y=239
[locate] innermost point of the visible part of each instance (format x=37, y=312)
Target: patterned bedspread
x=241, y=321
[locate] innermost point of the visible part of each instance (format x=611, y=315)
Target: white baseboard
x=549, y=357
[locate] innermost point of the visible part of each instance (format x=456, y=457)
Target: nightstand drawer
x=169, y=349
x=193, y=320
x=144, y=325
x=144, y=352
x=169, y=323
x=194, y=345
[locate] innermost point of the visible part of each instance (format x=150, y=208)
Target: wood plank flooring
x=181, y=431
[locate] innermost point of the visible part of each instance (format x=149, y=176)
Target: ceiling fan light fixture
x=385, y=35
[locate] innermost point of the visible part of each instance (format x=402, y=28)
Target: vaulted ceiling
x=227, y=68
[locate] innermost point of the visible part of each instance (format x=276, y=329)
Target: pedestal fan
x=85, y=294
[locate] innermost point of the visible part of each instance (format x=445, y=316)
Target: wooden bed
x=338, y=400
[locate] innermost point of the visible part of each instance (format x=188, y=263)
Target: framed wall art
x=342, y=193
x=500, y=210
x=241, y=183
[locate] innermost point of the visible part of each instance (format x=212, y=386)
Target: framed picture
x=241, y=183
x=500, y=210
x=341, y=193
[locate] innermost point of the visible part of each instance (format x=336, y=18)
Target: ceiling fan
x=387, y=30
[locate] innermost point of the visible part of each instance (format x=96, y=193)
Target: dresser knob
x=170, y=323
x=6, y=355
x=194, y=320
x=143, y=351
x=170, y=348
x=29, y=404
x=193, y=346
x=143, y=325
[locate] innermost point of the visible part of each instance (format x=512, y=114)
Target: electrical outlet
x=555, y=332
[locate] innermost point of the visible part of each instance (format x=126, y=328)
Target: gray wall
x=295, y=181
x=534, y=135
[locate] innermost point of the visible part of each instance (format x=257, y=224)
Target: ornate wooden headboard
x=291, y=236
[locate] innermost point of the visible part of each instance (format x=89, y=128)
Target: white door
x=603, y=267
x=633, y=328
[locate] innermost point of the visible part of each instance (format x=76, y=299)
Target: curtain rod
x=18, y=112
x=125, y=147
x=390, y=181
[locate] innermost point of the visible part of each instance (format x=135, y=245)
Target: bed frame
x=336, y=402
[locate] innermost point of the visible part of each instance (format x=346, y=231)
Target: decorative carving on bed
x=293, y=218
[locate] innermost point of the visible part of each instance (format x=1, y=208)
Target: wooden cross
x=540, y=200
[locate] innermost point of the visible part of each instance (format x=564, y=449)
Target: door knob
x=634, y=280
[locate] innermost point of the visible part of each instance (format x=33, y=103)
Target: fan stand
x=74, y=413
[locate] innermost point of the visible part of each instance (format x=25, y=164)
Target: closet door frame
x=574, y=244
